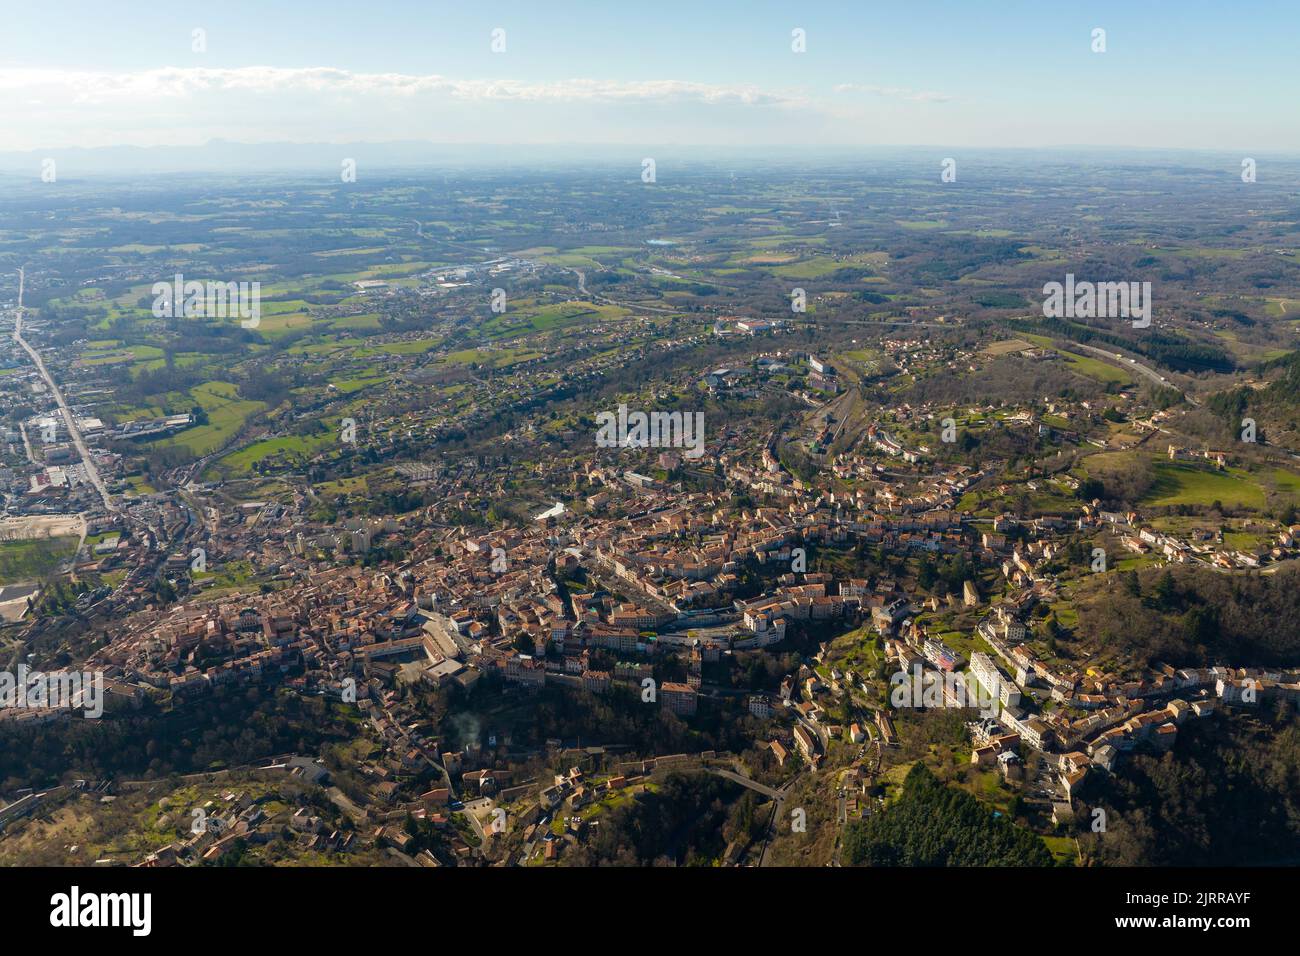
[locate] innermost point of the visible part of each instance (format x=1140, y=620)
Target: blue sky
x=964, y=73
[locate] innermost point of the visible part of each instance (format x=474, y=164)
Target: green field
x=1178, y=483
x=820, y=266
x=34, y=558
x=1091, y=367
x=1097, y=369
x=226, y=411
x=241, y=462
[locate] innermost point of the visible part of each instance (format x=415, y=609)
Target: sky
x=974, y=73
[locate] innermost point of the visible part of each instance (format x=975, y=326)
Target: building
x=993, y=680
x=678, y=698
x=820, y=367
x=779, y=752
x=805, y=743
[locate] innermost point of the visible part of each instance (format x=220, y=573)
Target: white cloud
x=54, y=108
x=894, y=92
x=177, y=82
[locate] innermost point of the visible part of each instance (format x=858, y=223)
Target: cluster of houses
x=1204, y=545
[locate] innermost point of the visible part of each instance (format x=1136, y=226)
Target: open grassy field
x=226, y=412
x=34, y=558
x=1007, y=346
x=1093, y=368
x=1179, y=483
x=241, y=461
x=497, y=358
x=1197, y=483
x=416, y=347
x=1097, y=369
x=819, y=266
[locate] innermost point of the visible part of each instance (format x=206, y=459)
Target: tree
x=1166, y=592
x=936, y=825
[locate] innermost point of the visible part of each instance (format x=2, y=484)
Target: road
x=1155, y=377
x=69, y=419
x=778, y=815
x=582, y=290
x=27, y=443
x=817, y=730
x=1135, y=366
x=769, y=792
x=776, y=794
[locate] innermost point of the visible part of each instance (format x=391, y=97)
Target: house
x=779, y=752
x=1106, y=757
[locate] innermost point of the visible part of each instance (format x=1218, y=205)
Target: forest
x=226, y=729
x=1227, y=795
x=1194, y=616
x=935, y=825
x=688, y=820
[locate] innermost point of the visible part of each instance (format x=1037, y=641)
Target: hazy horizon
x=742, y=76
x=288, y=157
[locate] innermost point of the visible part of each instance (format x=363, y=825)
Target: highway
x=582, y=290
x=69, y=419
x=1133, y=365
